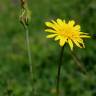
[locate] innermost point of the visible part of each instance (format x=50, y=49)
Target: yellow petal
x=53, y=26
x=54, y=22
x=81, y=42
x=57, y=38
x=77, y=27
x=77, y=43
x=70, y=44
x=49, y=24
x=60, y=22
x=51, y=36
x=56, y=25
x=71, y=23
x=83, y=45
x=50, y=30
x=83, y=33
x=62, y=41
x=84, y=36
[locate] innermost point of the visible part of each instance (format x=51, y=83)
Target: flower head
x=66, y=33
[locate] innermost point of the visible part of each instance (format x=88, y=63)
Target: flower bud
x=25, y=13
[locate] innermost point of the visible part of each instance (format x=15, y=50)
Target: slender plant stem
x=29, y=54
x=59, y=70
x=28, y=50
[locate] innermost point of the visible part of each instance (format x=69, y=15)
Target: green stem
x=59, y=70
x=28, y=50
x=29, y=55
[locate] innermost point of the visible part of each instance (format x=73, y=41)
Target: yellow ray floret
x=66, y=33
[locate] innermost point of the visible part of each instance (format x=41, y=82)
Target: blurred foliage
x=14, y=68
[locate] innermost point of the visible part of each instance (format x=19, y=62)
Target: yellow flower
x=66, y=33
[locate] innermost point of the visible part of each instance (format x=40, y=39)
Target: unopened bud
x=25, y=13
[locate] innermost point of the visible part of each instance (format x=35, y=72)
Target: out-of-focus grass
x=14, y=70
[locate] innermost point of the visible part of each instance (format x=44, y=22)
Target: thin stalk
x=29, y=57
x=28, y=50
x=59, y=70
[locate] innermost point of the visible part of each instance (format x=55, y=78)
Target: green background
x=14, y=67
